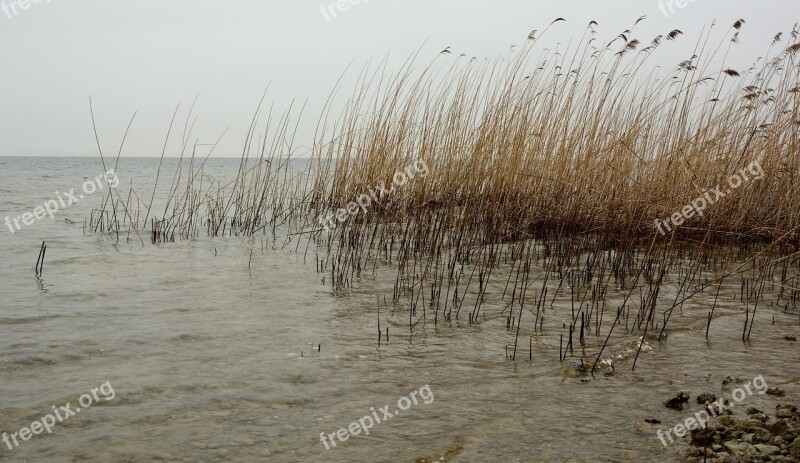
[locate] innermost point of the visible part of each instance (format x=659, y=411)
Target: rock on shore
x=753, y=439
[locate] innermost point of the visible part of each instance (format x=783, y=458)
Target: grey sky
x=148, y=55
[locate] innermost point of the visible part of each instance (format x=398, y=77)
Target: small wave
x=23, y=320
x=191, y=337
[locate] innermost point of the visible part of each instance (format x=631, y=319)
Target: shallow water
x=235, y=349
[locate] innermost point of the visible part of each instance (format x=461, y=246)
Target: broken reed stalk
x=378, y=297
x=39, y=268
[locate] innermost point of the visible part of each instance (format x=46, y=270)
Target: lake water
x=236, y=349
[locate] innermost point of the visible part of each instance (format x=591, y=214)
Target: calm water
x=214, y=356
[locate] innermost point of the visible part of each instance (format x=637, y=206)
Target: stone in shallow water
x=777, y=426
x=741, y=450
x=678, y=401
x=706, y=398
x=731, y=380
x=724, y=457
x=794, y=448
x=703, y=437
x=785, y=410
x=775, y=391
x=767, y=449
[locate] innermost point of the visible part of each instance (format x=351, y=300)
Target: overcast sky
x=148, y=56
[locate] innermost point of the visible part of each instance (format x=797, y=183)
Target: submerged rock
x=775, y=391
x=731, y=380
x=706, y=398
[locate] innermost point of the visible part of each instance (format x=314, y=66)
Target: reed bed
x=585, y=139
x=547, y=170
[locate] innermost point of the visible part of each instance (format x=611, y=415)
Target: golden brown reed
x=588, y=139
